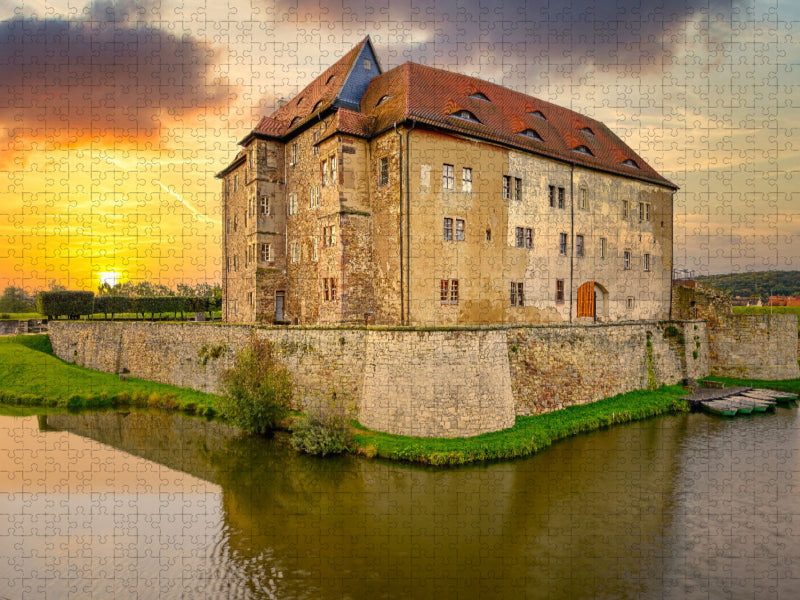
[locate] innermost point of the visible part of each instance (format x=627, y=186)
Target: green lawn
x=528, y=435
x=31, y=375
x=19, y=316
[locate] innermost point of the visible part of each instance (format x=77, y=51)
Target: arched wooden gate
x=586, y=300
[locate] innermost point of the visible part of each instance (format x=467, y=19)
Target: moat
x=160, y=505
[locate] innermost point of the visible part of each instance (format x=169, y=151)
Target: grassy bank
x=791, y=386
x=30, y=375
x=528, y=435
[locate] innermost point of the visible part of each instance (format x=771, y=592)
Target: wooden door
x=586, y=300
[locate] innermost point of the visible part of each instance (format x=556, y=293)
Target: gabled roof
x=317, y=96
x=434, y=97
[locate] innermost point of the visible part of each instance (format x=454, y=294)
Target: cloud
x=106, y=74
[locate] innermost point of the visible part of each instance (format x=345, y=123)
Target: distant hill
x=759, y=283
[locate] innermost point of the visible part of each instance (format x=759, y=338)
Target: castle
x=420, y=196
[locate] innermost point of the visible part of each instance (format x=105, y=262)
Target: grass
x=791, y=386
x=766, y=310
x=528, y=435
x=31, y=375
x=24, y=316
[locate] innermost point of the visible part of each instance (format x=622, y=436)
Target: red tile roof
x=431, y=96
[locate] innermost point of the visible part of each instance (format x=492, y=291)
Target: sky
x=115, y=116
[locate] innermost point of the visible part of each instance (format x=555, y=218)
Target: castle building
x=419, y=196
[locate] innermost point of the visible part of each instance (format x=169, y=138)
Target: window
x=479, y=96
x=466, y=115
x=506, y=187
x=629, y=303
x=324, y=172
x=646, y=262
x=235, y=262
x=517, y=188
x=252, y=158
x=266, y=252
x=538, y=114
x=630, y=163
x=579, y=246
x=583, y=150
x=520, y=237
x=314, y=248
x=459, y=230
x=235, y=222
x=334, y=172
x=314, y=200
x=532, y=134
x=329, y=289
x=488, y=235
x=562, y=243
x=294, y=249
x=294, y=154
x=227, y=225
x=383, y=171
x=517, y=294
x=583, y=199
x=292, y=204
x=602, y=247
x=552, y=196
x=383, y=99
x=561, y=197
x=314, y=147
x=328, y=236
x=448, y=291
x=626, y=259
x=250, y=299
x=448, y=177
x=528, y=237
x=264, y=205
x=466, y=180
x=587, y=131
x=559, y=290
x=624, y=209
x=235, y=183
x=448, y=229
x=644, y=211
x=367, y=64
x=228, y=264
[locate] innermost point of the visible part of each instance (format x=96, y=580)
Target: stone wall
x=757, y=346
x=445, y=383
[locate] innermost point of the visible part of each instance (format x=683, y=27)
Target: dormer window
x=466, y=115
x=587, y=131
x=317, y=106
x=531, y=133
x=367, y=64
x=479, y=96
x=630, y=163
x=538, y=114
x=331, y=78
x=383, y=99
x=294, y=122
x=300, y=99
x=583, y=150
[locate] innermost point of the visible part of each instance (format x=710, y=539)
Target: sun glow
x=111, y=278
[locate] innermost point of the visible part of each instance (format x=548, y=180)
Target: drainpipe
x=571, y=233
x=672, y=259
x=408, y=220
x=402, y=301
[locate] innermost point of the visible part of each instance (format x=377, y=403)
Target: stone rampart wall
x=754, y=346
x=444, y=383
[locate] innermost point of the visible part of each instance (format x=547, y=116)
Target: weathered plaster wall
x=757, y=346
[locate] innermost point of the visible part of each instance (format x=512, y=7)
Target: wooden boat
x=719, y=407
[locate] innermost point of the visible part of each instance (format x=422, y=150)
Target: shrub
x=256, y=390
x=322, y=431
x=72, y=304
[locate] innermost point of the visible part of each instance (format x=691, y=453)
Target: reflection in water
x=154, y=504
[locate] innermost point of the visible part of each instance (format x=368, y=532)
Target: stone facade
x=444, y=383
x=412, y=223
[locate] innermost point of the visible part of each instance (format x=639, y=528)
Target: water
x=157, y=505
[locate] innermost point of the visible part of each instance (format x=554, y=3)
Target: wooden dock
x=732, y=401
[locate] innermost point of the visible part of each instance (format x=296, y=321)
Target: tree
x=15, y=300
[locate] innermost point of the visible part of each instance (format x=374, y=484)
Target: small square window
x=552, y=196
x=506, y=187
x=562, y=243
x=520, y=237
x=517, y=188
x=383, y=172
x=626, y=259
x=488, y=235
x=266, y=252
x=579, y=245
x=561, y=196
x=559, y=290
x=517, y=294
x=602, y=247
x=367, y=64
x=528, y=237
x=629, y=303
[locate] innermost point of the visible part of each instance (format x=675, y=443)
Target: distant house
x=747, y=301
x=784, y=301
x=420, y=196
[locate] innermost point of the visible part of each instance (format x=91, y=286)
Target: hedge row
x=76, y=304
